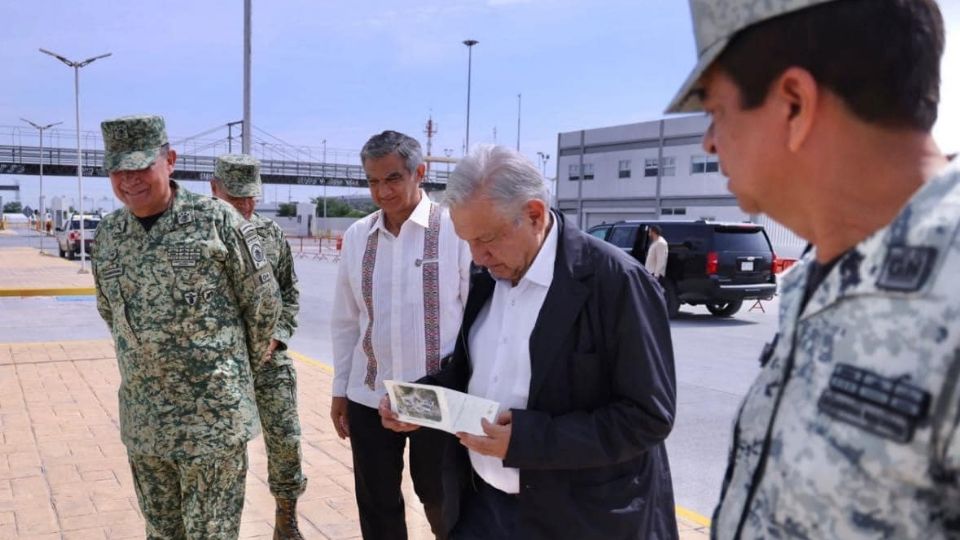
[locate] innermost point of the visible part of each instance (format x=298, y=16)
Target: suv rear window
x=624, y=237
x=740, y=239
x=88, y=224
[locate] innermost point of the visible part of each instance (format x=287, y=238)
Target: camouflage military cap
x=132, y=143
x=715, y=22
x=240, y=174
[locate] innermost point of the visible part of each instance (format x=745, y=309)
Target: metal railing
x=20, y=159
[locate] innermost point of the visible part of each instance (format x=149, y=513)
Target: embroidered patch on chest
x=183, y=256
x=887, y=407
x=906, y=268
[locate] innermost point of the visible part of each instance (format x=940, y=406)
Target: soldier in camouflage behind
x=237, y=181
x=189, y=296
x=822, y=112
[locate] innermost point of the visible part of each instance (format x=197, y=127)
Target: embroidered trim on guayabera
x=366, y=290
x=431, y=290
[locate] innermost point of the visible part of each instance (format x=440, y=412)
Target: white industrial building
x=650, y=170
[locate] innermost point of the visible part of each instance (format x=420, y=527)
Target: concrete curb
x=71, y=291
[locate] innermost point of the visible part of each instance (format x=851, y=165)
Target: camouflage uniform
x=189, y=304
x=851, y=429
x=275, y=381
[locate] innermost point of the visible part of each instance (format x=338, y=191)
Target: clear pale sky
x=342, y=71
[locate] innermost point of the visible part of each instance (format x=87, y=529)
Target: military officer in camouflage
x=237, y=181
x=190, y=299
x=821, y=117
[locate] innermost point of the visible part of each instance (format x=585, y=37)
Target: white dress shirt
x=398, y=331
x=500, y=350
x=657, y=257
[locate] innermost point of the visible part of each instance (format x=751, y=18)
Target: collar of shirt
x=541, y=270
x=420, y=216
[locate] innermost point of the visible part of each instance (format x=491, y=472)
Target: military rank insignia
x=906, y=268
x=111, y=272
x=887, y=407
x=184, y=217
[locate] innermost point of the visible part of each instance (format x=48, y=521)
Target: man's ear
x=536, y=211
x=171, y=160
x=798, y=93
x=421, y=172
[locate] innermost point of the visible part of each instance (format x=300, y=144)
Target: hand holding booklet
x=440, y=408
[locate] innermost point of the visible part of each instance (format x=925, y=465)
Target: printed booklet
x=440, y=408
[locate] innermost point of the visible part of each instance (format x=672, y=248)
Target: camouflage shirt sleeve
x=254, y=286
x=103, y=305
x=286, y=277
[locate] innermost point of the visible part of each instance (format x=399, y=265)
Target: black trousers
x=486, y=513
x=378, y=469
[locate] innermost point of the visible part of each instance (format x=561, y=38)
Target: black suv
x=718, y=265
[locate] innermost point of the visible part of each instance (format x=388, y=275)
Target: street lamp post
x=469, y=43
x=76, y=93
x=544, y=158
x=43, y=213
x=325, y=180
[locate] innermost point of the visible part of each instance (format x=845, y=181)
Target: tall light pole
x=43, y=213
x=76, y=94
x=519, y=101
x=245, y=136
x=544, y=158
x=324, y=169
x=469, y=43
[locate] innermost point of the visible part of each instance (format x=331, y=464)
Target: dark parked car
x=715, y=264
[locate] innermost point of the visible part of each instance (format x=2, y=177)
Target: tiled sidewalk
x=25, y=272
x=64, y=474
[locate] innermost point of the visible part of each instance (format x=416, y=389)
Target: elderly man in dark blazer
x=571, y=337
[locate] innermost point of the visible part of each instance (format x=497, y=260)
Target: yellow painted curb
x=690, y=515
x=307, y=360
x=72, y=291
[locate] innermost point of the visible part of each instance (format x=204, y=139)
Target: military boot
x=286, y=527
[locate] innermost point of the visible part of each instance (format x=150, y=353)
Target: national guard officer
x=189, y=296
x=236, y=180
x=822, y=111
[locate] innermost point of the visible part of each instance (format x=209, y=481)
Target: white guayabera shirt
x=415, y=293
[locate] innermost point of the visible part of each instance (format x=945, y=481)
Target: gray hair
x=502, y=174
x=388, y=142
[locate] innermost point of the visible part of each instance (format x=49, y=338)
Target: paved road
x=716, y=360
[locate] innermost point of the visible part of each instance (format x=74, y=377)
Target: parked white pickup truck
x=68, y=236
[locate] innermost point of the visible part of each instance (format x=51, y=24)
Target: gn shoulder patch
x=907, y=268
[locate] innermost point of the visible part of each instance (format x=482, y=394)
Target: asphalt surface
x=716, y=360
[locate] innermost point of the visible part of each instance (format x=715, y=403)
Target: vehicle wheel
x=725, y=309
x=71, y=254
x=62, y=252
x=670, y=295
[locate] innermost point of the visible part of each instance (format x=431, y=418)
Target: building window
x=624, y=168
x=673, y=211
x=573, y=171
x=668, y=166
x=704, y=164
x=650, y=167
